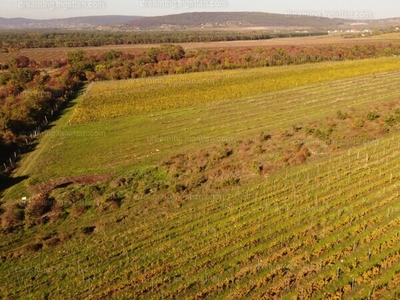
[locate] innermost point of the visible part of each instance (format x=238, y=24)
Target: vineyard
x=191, y=127
x=327, y=228
x=112, y=99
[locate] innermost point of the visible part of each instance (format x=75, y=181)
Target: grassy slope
x=300, y=225
x=305, y=223
x=123, y=143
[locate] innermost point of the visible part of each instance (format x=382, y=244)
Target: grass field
x=327, y=228
x=246, y=112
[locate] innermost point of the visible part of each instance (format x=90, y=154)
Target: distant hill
x=76, y=22
x=195, y=20
x=239, y=19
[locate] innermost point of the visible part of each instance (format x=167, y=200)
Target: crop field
x=323, y=229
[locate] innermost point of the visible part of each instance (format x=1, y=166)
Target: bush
x=118, y=182
x=342, y=115
x=33, y=247
x=322, y=135
x=310, y=130
x=301, y=155
x=372, y=115
x=197, y=181
x=144, y=187
x=78, y=210
x=257, y=167
x=390, y=120
x=57, y=212
x=224, y=153
x=39, y=205
x=358, y=123
x=75, y=196
x=297, y=128
x=11, y=218
x=52, y=242
x=178, y=188
x=266, y=137
x=88, y=229
x=230, y=181
x=111, y=201
x=36, y=208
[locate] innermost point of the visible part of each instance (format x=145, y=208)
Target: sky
x=47, y=9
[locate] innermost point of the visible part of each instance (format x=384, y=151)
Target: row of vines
x=326, y=229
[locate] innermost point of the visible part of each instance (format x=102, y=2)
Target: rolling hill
x=196, y=20
x=238, y=19
x=76, y=22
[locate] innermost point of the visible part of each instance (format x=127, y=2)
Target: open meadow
x=267, y=183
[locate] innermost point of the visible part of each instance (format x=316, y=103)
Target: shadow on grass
x=7, y=182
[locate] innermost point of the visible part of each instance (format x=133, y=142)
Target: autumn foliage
x=31, y=90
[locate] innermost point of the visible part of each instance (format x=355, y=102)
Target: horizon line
x=145, y=16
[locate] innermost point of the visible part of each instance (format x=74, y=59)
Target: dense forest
x=11, y=41
x=31, y=92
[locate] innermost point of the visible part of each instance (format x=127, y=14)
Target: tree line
x=29, y=98
x=14, y=40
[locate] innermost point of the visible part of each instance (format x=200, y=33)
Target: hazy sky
x=47, y=9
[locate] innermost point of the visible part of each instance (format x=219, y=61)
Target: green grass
x=285, y=235
x=237, y=234
x=124, y=143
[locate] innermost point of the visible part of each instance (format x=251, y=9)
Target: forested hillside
x=241, y=19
